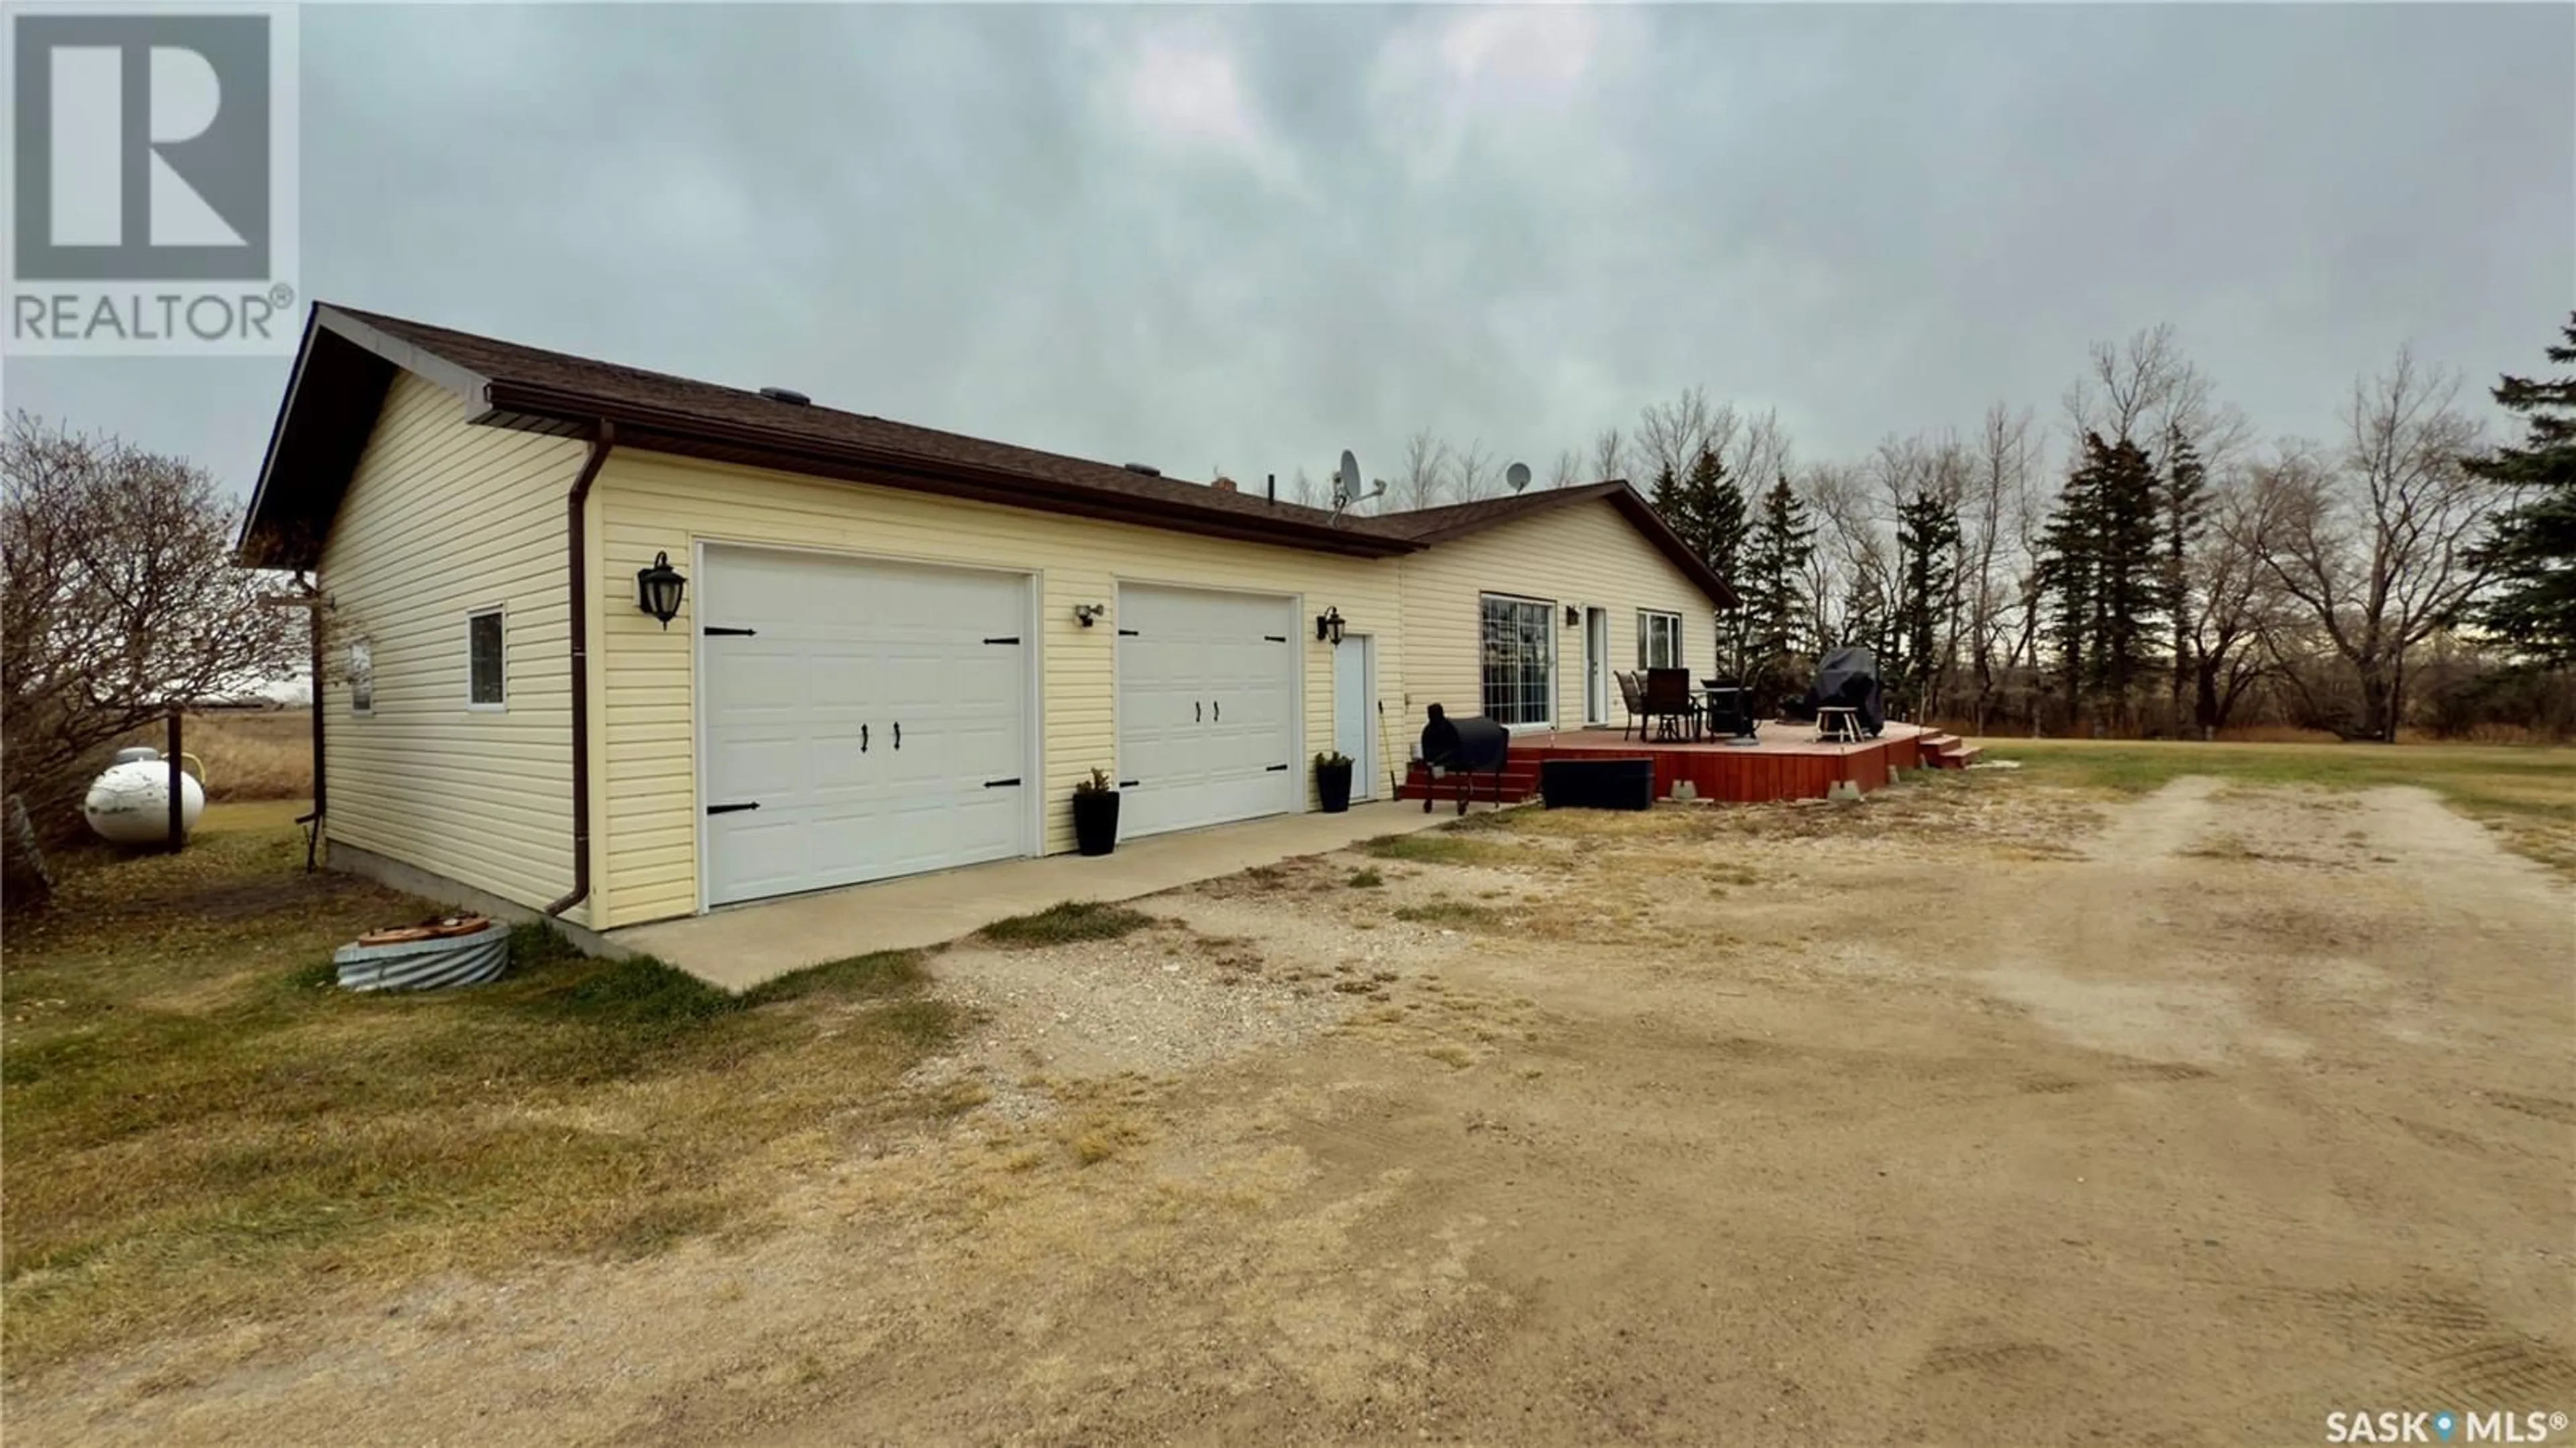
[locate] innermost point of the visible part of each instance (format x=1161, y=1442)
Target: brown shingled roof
x=348, y=359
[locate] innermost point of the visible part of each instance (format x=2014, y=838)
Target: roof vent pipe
x=1144, y=469
x=1274, y=487
x=789, y=396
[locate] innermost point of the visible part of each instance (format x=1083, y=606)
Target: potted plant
x=1333, y=781
x=1095, y=815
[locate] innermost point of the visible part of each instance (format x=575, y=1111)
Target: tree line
x=2140, y=566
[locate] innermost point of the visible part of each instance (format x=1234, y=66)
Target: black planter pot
x=1095, y=822
x=1333, y=785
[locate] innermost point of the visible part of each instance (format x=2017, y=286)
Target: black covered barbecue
x=1848, y=678
x=1466, y=748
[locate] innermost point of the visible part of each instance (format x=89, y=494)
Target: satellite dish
x=1517, y=475
x=1346, y=483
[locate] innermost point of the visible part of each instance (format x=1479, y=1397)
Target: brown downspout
x=577, y=566
x=321, y=780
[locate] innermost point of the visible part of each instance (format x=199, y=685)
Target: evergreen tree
x=2127, y=575
x=2102, y=567
x=1776, y=552
x=1927, y=541
x=1706, y=509
x=2066, y=581
x=2186, y=517
x=2532, y=545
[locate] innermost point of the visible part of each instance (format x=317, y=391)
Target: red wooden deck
x=1788, y=763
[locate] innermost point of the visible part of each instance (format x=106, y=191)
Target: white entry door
x=1596, y=666
x=1206, y=697
x=1355, y=710
x=859, y=720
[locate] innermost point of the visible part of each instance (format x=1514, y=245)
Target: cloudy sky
x=1250, y=237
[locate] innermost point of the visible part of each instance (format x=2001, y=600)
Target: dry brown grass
x=265, y=754
x=202, y=1125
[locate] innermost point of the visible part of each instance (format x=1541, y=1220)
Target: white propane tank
x=130, y=802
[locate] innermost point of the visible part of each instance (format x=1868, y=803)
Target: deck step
x=1956, y=756
x=1519, y=782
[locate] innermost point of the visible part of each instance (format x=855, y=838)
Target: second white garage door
x=860, y=719
x=1206, y=695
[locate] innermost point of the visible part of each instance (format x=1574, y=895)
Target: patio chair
x=1632, y=694
x=1669, y=702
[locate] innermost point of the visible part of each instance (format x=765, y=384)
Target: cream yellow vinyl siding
x=442, y=519
x=1585, y=554
x=646, y=503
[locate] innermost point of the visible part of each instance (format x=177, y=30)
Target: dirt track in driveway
x=1979, y=1113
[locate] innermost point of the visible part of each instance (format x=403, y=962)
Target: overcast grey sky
x=1250, y=237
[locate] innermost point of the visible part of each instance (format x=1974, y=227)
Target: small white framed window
x=487, y=684
x=362, y=677
x=1659, y=640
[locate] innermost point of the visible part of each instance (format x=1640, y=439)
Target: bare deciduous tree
x=119, y=602
x=1757, y=452
x=2233, y=606
x=1671, y=435
x=1610, y=457
x=1568, y=471
x=1471, y=472
x=1424, y=472
x=1994, y=505
x=2377, y=549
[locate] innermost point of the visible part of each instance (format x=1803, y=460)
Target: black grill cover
x=1475, y=744
x=1849, y=677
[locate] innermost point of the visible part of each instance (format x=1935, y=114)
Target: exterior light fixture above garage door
x=658, y=589
x=1089, y=613
x=1328, y=625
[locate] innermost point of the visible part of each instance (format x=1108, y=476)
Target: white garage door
x=861, y=720
x=1206, y=688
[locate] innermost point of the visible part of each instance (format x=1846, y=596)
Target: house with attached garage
x=619, y=647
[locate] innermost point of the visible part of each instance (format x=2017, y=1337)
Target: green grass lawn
x=2527, y=793
x=201, y=1124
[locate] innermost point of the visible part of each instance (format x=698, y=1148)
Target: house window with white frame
x=362, y=677
x=486, y=665
x=1659, y=640
x=1518, y=654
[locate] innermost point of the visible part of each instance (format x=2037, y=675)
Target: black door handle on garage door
x=1218, y=706
x=1198, y=712
x=863, y=739
x=898, y=734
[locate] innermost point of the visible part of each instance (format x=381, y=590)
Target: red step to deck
x=1519, y=782
x=1946, y=751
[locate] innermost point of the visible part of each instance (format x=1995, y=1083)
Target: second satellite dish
x=1518, y=475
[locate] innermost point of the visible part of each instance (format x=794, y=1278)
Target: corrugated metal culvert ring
x=437, y=963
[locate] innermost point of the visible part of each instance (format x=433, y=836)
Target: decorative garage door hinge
x=732, y=632
x=1015, y=638
x=1129, y=783
x=1274, y=638
x=1000, y=783
x=1127, y=633
x=717, y=809
x=1276, y=769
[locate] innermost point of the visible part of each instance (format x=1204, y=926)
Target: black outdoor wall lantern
x=1088, y=614
x=1328, y=625
x=1573, y=615
x=658, y=589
